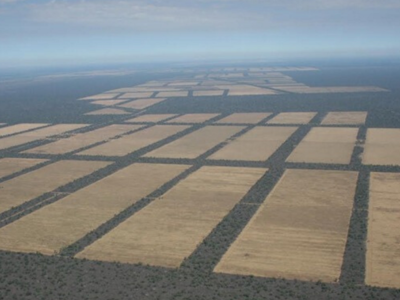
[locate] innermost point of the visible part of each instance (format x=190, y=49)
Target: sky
x=77, y=32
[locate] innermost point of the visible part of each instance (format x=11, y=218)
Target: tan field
x=135, y=141
x=170, y=228
x=345, y=118
x=10, y=165
x=383, y=241
x=196, y=143
x=105, y=96
x=244, y=118
x=37, y=134
x=258, y=144
x=326, y=145
x=142, y=103
x=208, y=93
x=12, y=129
x=151, y=118
x=172, y=94
x=60, y=224
x=136, y=95
x=292, y=118
x=336, y=89
x=107, y=102
x=242, y=89
x=300, y=231
x=183, y=83
x=81, y=140
x=18, y=190
x=107, y=111
x=193, y=118
x=382, y=147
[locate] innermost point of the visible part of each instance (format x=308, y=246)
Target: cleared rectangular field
x=37, y=134
x=208, y=93
x=382, y=147
x=107, y=102
x=193, y=118
x=242, y=90
x=151, y=118
x=196, y=143
x=172, y=94
x=142, y=103
x=81, y=140
x=23, y=188
x=107, y=111
x=171, y=227
x=292, y=118
x=300, y=231
x=105, y=96
x=135, y=141
x=136, y=95
x=383, y=242
x=10, y=165
x=12, y=129
x=244, y=118
x=326, y=145
x=258, y=144
x=345, y=118
x=62, y=223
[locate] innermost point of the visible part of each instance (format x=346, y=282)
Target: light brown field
x=336, y=89
x=208, y=93
x=183, y=83
x=81, y=140
x=292, y=118
x=258, y=144
x=192, y=118
x=382, y=147
x=142, y=103
x=300, y=231
x=170, y=228
x=172, y=94
x=10, y=165
x=37, y=134
x=326, y=145
x=107, y=111
x=242, y=90
x=135, y=141
x=151, y=118
x=244, y=118
x=62, y=223
x=105, y=96
x=196, y=143
x=18, y=190
x=107, y=102
x=136, y=95
x=383, y=241
x=18, y=128
x=345, y=118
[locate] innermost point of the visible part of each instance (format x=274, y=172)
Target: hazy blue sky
x=37, y=32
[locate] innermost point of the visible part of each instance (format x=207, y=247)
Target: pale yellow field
x=183, y=83
x=208, y=93
x=142, y=103
x=326, y=145
x=10, y=165
x=37, y=134
x=345, y=118
x=292, y=118
x=300, y=231
x=12, y=129
x=135, y=141
x=107, y=111
x=151, y=118
x=81, y=140
x=107, y=102
x=258, y=144
x=196, y=143
x=170, y=228
x=242, y=89
x=193, y=118
x=136, y=95
x=383, y=241
x=104, y=96
x=336, y=89
x=244, y=118
x=18, y=190
x=382, y=147
x=172, y=94
x=62, y=223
